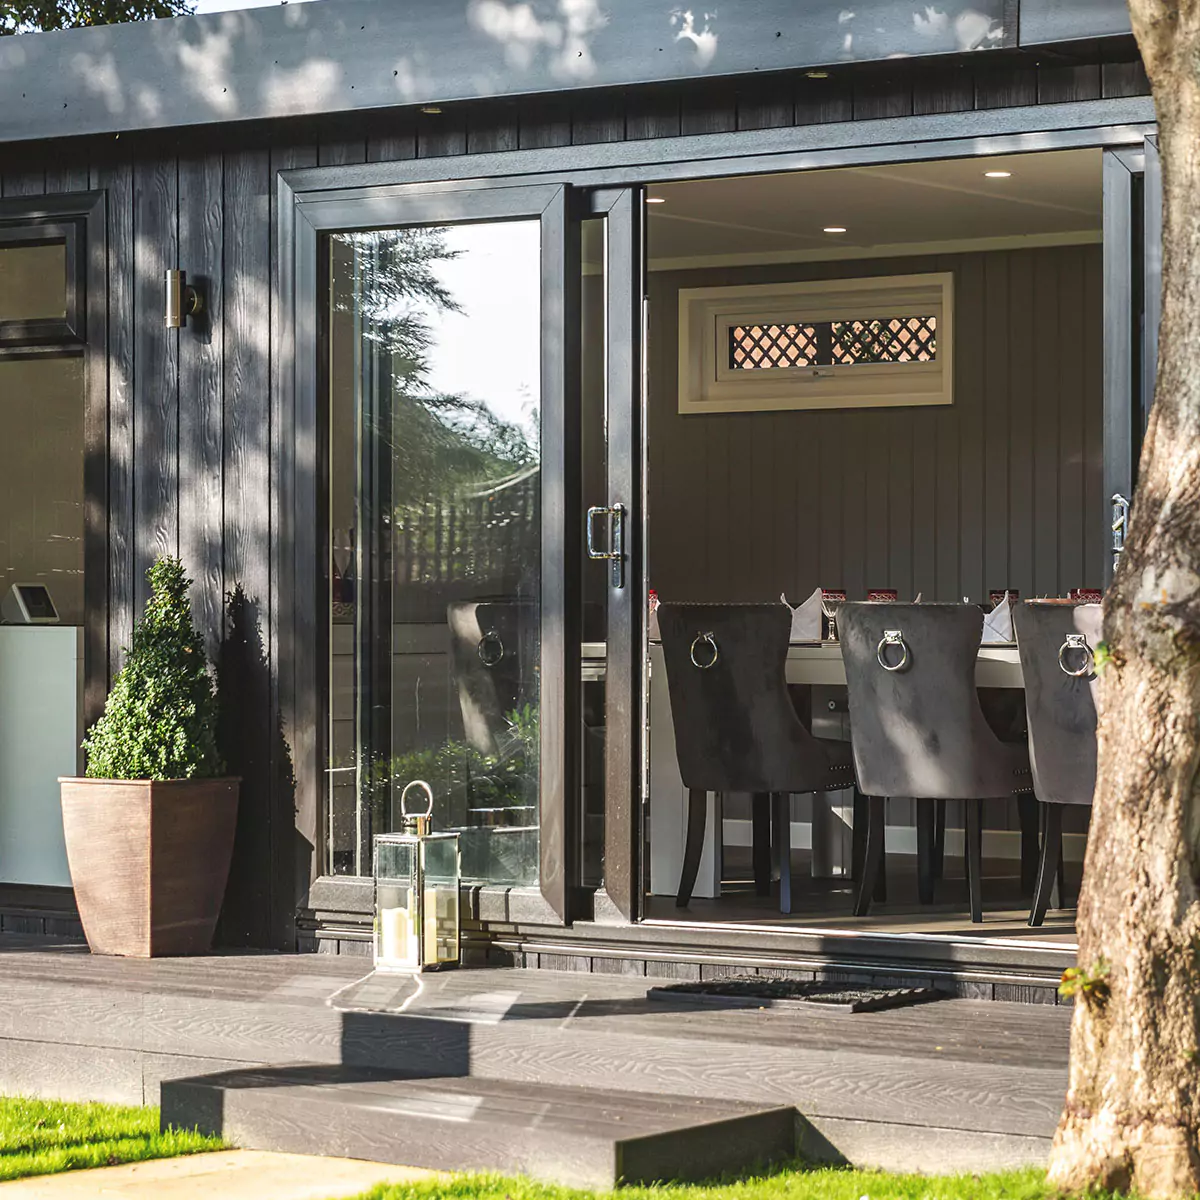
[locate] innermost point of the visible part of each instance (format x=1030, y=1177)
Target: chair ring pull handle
x=705, y=639
x=892, y=637
x=1076, y=641
x=490, y=649
x=417, y=783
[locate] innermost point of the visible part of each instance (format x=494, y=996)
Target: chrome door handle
x=1120, y=525
x=616, y=539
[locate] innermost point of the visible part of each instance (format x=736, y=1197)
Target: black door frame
x=491, y=201
x=610, y=176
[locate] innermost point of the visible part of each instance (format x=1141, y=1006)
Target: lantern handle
x=417, y=783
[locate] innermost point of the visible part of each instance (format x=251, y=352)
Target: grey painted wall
x=1002, y=489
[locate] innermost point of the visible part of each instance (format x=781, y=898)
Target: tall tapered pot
x=149, y=861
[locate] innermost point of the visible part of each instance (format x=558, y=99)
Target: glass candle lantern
x=416, y=893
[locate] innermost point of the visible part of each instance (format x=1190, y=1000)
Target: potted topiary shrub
x=150, y=829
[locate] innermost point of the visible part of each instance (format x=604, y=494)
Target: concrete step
x=583, y=1137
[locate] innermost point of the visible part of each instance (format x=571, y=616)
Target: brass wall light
x=183, y=301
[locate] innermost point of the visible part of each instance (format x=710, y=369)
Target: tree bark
x=1132, y=1112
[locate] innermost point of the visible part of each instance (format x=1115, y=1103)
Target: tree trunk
x=1133, y=1106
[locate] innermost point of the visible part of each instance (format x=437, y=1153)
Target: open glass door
x=1132, y=300
x=615, y=529
x=450, y=554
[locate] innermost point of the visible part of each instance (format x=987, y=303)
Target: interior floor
x=829, y=903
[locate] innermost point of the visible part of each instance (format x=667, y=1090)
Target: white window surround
x=708, y=384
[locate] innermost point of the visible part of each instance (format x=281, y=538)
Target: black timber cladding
x=355, y=55
x=194, y=428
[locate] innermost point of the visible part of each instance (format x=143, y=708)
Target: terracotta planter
x=149, y=861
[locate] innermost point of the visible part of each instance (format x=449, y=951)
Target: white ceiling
x=1050, y=197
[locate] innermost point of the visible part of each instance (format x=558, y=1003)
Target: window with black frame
x=42, y=411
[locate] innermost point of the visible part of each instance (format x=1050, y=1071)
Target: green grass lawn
x=800, y=1184
x=41, y=1137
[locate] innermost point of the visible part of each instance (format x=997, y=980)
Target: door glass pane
x=33, y=282
x=434, y=533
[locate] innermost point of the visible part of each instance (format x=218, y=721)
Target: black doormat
x=758, y=991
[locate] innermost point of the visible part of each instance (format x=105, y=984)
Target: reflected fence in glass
x=433, y=539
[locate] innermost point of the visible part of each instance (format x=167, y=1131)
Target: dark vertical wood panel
x=741, y=515
x=881, y=92
x=597, y=119
x=827, y=505
x=442, y=133
x=1123, y=79
x=394, y=140
x=874, y=430
x=900, y=501
x=925, y=506
x=822, y=100
x=712, y=111
x=495, y=130
x=341, y=151
x=68, y=174
x=1047, y=352
x=943, y=87
x=247, y=527
x=855, y=431
x=22, y=176
x=971, y=336
x=544, y=122
x=116, y=178
x=653, y=113
x=201, y=490
x=1005, y=87
x=156, y=384
x=1074, y=348
x=766, y=104
x=1021, y=332
x=996, y=358
x=1074, y=81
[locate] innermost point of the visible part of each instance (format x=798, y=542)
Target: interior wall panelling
x=989, y=492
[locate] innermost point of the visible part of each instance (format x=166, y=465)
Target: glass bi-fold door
x=452, y=529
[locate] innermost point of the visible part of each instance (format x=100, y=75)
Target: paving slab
x=227, y=1175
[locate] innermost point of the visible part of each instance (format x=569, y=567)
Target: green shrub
x=160, y=720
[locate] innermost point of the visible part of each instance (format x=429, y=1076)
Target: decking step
x=580, y=1136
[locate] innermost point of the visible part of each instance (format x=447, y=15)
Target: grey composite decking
x=956, y=1084
x=581, y=1136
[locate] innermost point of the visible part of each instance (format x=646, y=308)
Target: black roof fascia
x=346, y=56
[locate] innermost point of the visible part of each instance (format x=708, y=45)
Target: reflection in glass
x=33, y=282
x=41, y=478
x=434, y=539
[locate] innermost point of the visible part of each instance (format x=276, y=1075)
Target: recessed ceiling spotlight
x=655, y=200
x=817, y=74
x=997, y=174
x=432, y=109
x=834, y=229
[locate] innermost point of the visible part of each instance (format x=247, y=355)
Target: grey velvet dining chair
x=736, y=729
x=1057, y=646
x=918, y=729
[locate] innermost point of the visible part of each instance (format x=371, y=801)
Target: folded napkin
x=806, y=618
x=997, y=625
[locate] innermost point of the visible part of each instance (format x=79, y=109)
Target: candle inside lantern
x=397, y=943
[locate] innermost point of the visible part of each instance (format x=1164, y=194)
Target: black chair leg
x=858, y=836
x=926, y=850
x=974, y=859
x=781, y=809
x=1049, y=863
x=1027, y=811
x=872, y=855
x=760, y=818
x=693, y=845
x=939, y=841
